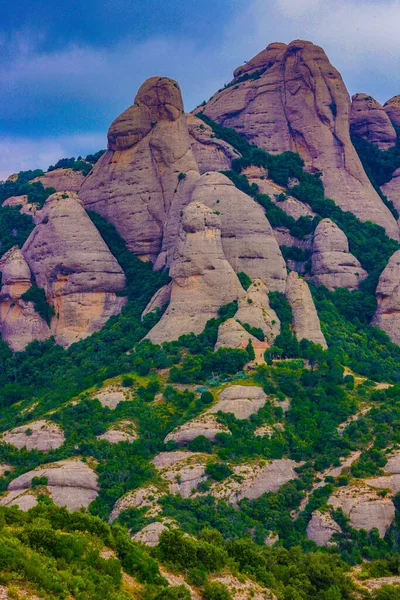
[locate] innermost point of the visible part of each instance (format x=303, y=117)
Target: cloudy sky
x=67, y=69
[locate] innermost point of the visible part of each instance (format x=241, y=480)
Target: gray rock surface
x=300, y=103
x=211, y=153
x=71, y=483
x=202, y=278
x=392, y=109
x=231, y=334
x=241, y=400
x=62, y=180
x=332, y=265
x=20, y=324
x=392, y=189
x=122, y=431
x=368, y=120
x=150, y=534
x=159, y=300
x=204, y=425
x=71, y=262
x=364, y=507
x=38, y=435
x=305, y=318
x=387, y=316
x=248, y=241
x=254, y=309
x=321, y=528
x=145, y=179
x=110, y=396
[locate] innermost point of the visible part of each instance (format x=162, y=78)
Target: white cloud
x=24, y=154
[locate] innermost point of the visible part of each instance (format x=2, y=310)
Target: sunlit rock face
x=145, y=179
x=368, y=120
x=294, y=99
x=71, y=262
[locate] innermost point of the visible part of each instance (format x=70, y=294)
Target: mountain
x=200, y=353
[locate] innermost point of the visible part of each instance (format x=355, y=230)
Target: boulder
x=62, y=180
x=110, y=396
x=20, y=324
x=145, y=179
x=364, y=507
x=332, y=265
x=231, y=334
x=241, y=400
x=184, y=474
x=211, y=153
x=38, y=435
x=387, y=316
x=321, y=528
x=392, y=109
x=293, y=99
x=122, y=431
x=248, y=241
x=204, y=425
x=26, y=208
x=71, y=262
x=368, y=120
x=143, y=497
x=254, y=309
x=150, y=534
x=71, y=483
x=202, y=278
x=305, y=318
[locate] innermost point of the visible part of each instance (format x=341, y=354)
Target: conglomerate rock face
x=294, y=99
x=202, y=278
x=77, y=271
x=20, y=324
x=305, y=318
x=254, y=309
x=248, y=241
x=369, y=121
x=391, y=189
x=332, y=264
x=387, y=316
x=62, y=180
x=211, y=153
x=145, y=179
x=392, y=109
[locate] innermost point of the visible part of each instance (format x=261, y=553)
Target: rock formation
x=202, y=278
x=150, y=534
x=71, y=483
x=204, y=425
x=254, y=309
x=365, y=508
x=247, y=237
x=369, y=121
x=321, y=528
x=26, y=208
x=19, y=322
x=388, y=297
x=145, y=179
x=241, y=400
x=39, y=435
x=62, y=180
x=392, y=109
x=211, y=153
x=294, y=99
x=305, y=318
x=159, y=300
x=332, y=264
x=71, y=262
x=231, y=334
x=391, y=189
x=122, y=431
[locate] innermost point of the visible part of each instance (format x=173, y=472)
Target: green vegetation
x=244, y=280
x=38, y=297
x=75, y=164
x=367, y=241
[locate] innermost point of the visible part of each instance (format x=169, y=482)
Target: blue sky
x=67, y=69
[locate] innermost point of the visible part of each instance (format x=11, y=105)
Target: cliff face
x=369, y=120
x=202, y=278
x=392, y=109
x=387, y=316
x=294, y=99
x=70, y=261
x=19, y=322
x=145, y=179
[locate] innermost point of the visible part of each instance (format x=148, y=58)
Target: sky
x=67, y=69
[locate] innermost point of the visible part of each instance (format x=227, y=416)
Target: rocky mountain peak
x=368, y=120
x=392, y=109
